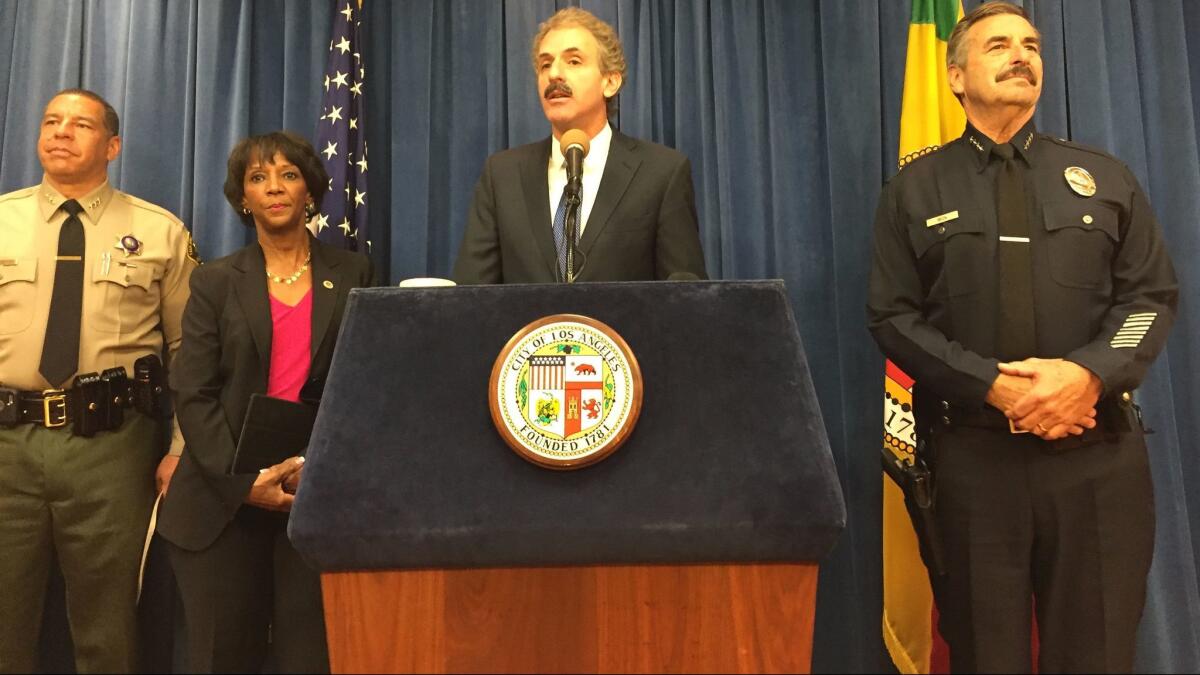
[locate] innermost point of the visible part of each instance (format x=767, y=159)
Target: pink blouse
x=291, y=342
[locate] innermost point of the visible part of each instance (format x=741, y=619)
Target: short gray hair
x=956, y=46
x=612, y=55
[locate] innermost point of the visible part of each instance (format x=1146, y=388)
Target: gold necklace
x=295, y=277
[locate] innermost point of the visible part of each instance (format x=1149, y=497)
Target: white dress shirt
x=593, y=171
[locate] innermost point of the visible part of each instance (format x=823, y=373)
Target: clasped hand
x=1052, y=398
x=275, y=486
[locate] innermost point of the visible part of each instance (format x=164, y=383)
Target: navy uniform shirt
x=1104, y=288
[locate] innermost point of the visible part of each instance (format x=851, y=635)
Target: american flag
x=341, y=133
x=546, y=372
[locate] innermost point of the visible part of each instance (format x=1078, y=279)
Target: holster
x=916, y=481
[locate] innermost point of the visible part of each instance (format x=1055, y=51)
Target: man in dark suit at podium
x=637, y=216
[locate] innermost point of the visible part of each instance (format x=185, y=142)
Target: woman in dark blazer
x=262, y=320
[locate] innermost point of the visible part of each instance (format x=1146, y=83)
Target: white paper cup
x=425, y=282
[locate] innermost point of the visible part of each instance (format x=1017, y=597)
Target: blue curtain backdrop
x=789, y=111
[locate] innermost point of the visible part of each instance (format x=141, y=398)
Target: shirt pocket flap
x=1084, y=215
x=131, y=274
x=939, y=227
x=19, y=269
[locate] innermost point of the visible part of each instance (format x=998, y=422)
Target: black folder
x=274, y=429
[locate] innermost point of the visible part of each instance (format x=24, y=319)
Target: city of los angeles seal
x=565, y=391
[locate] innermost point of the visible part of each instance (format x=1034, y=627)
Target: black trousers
x=1069, y=535
x=248, y=594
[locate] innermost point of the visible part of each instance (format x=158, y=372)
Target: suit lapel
x=327, y=285
x=619, y=168
x=251, y=289
x=537, y=203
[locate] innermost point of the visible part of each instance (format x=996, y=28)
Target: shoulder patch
x=192, y=253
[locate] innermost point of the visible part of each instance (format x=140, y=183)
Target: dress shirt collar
x=597, y=150
x=980, y=145
x=93, y=203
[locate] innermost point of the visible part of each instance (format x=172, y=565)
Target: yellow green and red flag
x=930, y=116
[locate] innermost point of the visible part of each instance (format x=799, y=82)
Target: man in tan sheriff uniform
x=93, y=283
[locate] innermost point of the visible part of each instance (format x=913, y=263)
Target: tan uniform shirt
x=132, y=302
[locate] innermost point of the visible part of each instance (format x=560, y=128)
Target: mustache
x=1020, y=69
x=557, y=88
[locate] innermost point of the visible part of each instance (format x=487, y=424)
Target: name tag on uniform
x=944, y=218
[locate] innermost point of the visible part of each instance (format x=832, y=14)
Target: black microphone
x=575, y=145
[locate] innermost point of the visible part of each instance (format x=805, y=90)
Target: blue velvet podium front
x=439, y=545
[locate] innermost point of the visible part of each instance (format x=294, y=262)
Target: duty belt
x=96, y=403
x=1111, y=416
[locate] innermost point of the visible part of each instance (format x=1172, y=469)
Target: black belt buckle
x=10, y=407
x=116, y=395
x=54, y=408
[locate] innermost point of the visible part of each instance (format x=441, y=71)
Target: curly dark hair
x=294, y=147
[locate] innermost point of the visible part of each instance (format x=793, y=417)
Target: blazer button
x=945, y=420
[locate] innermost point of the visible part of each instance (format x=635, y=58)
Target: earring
x=310, y=209
x=245, y=211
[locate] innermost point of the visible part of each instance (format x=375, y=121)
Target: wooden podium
x=743, y=618
x=692, y=548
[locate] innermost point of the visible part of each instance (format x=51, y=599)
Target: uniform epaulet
x=19, y=194
x=918, y=154
x=148, y=206
x=1076, y=146
x=171, y=217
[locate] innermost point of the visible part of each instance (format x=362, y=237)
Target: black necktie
x=1016, y=338
x=60, y=351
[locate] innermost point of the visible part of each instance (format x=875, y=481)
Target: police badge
x=1080, y=181
x=129, y=245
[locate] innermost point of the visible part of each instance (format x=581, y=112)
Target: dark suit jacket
x=224, y=358
x=642, y=226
